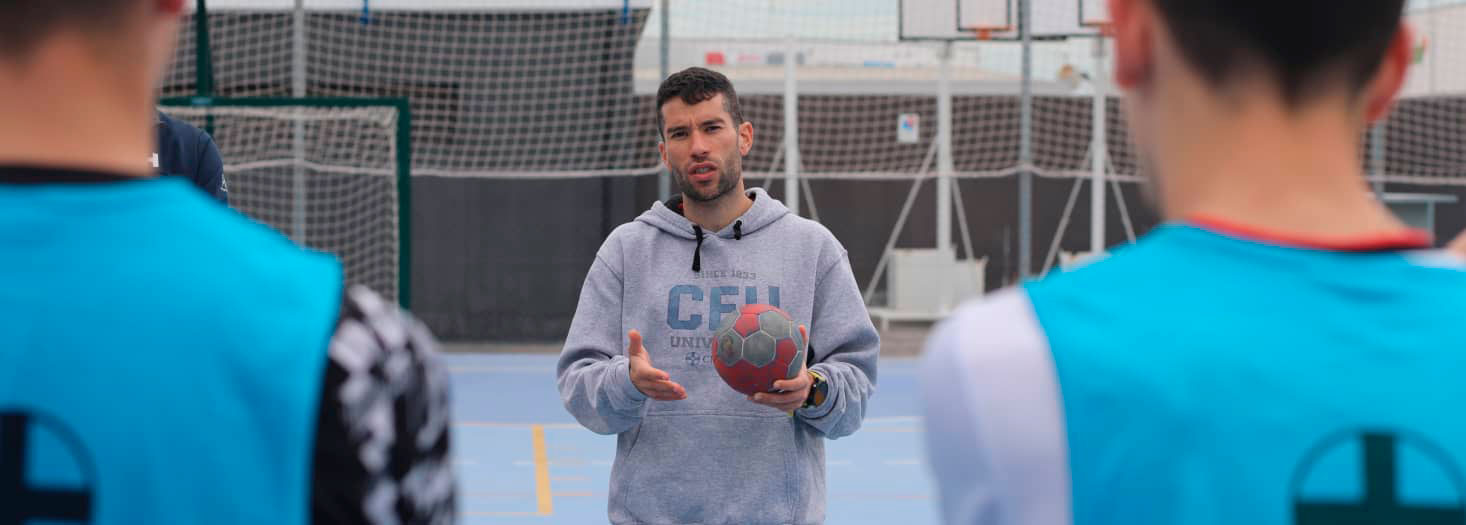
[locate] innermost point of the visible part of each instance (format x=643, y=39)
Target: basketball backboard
x=1094, y=13
x=1060, y=19
x=931, y=20
x=987, y=15
x=998, y=19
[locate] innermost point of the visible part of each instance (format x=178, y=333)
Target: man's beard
x=727, y=180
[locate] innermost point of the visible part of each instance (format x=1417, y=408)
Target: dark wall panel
x=505, y=259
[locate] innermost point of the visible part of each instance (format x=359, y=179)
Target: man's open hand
x=655, y=383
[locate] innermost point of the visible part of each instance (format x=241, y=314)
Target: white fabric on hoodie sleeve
x=845, y=345
x=593, y=373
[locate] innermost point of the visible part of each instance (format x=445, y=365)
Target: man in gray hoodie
x=690, y=449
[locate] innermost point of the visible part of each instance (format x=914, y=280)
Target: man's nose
x=700, y=146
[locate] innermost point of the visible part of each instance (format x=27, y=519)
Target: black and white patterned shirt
x=382, y=438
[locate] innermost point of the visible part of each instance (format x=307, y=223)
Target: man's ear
x=1132, y=27
x=1390, y=78
x=745, y=138
x=170, y=7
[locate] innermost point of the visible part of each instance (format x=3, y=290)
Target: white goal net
x=325, y=176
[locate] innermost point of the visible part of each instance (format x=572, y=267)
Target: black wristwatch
x=818, y=391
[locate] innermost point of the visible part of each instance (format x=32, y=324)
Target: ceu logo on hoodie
x=686, y=304
x=700, y=310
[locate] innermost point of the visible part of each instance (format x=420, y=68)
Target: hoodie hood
x=667, y=217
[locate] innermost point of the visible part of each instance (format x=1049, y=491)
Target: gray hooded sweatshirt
x=715, y=458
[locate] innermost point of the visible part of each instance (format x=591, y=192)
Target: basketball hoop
x=988, y=32
x=997, y=20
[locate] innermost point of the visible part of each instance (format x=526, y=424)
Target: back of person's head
x=1303, y=48
x=134, y=32
x=79, y=80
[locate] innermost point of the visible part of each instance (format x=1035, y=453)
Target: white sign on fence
x=908, y=128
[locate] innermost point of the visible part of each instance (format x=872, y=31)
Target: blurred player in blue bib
x=164, y=359
x=1282, y=351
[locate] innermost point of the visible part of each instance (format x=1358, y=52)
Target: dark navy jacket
x=186, y=151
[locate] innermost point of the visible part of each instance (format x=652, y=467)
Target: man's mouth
x=702, y=172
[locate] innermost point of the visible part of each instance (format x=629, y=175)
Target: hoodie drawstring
x=697, y=252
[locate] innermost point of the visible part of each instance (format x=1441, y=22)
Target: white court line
x=562, y=462
x=892, y=420
x=489, y=424
x=524, y=369
x=502, y=370
x=877, y=421
x=522, y=463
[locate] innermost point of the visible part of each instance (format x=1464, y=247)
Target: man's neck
x=719, y=213
x=74, y=117
x=1297, y=173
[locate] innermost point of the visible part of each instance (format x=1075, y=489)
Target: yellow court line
x=542, y=472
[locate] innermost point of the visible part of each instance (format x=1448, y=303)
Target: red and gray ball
x=760, y=345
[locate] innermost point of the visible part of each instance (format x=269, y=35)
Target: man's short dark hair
x=694, y=86
x=25, y=23
x=1304, y=44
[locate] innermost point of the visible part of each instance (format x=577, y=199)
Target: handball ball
x=760, y=345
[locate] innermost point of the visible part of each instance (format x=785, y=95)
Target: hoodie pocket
x=715, y=469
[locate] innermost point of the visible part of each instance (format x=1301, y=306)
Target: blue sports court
x=522, y=459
